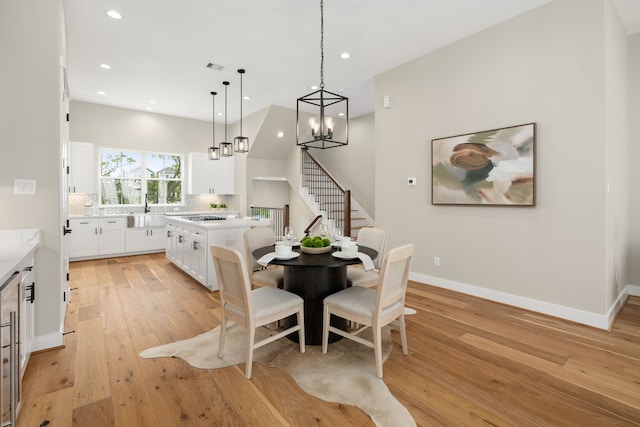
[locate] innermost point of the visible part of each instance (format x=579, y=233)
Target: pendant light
x=322, y=130
x=226, y=148
x=214, y=152
x=241, y=143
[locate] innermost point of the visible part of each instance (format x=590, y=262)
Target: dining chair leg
x=301, y=330
x=223, y=334
x=325, y=328
x=377, y=346
x=251, y=334
x=403, y=336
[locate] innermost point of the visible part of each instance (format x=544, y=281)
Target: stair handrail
x=308, y=229
x=326, y=172
x=346, y=194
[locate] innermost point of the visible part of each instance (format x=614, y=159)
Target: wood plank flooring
x=471, y=363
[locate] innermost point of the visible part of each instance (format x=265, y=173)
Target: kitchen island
x=189, y=239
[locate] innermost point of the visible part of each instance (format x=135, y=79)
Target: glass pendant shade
x=214, y=153
x=241, y=144
x=226, y=149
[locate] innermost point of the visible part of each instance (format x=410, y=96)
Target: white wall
x=634, y=154
x=546, y=66
x=617, y=152
x=32, y=40
x=123, y=128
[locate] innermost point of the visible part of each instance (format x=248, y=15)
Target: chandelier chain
x=321, y=44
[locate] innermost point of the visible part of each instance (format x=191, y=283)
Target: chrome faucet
x=147, y=209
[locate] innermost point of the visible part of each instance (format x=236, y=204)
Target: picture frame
x=488, y=168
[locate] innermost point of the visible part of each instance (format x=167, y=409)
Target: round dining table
x=314, y=277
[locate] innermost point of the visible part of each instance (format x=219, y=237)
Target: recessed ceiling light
x=152, y=102
x=114, y=14
x=314, y=87
x=345, y=55
x=341, y=114
x=149, y=108
x=100, y=92
x=246, y=98
x=105, y=66
x=280, y=134
x=219, y=114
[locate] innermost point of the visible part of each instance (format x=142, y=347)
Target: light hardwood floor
x=471, y=363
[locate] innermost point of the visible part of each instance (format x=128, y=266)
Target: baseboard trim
x=47, y=342
x=599, y=321
x=633, y=290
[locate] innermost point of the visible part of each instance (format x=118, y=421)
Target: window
x=126, y=176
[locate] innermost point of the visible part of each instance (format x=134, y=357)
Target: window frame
x=143, y=178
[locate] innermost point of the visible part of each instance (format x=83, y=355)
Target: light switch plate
x=24, y=186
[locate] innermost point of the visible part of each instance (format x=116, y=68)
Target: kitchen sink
x=146, y=220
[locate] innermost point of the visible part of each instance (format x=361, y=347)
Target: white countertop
x=168, y=214
x=227, y=223
x=15, y=246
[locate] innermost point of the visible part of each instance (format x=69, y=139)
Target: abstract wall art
x=489, y=168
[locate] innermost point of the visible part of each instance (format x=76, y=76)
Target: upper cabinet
x=81, y=170
x=210, y=176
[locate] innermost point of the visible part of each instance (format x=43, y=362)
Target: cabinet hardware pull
x=195, y=246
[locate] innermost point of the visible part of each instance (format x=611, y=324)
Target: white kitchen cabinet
x=27, y=312
x=145, y=239
x=206, y=176
x=83, y=240
x=93, y=236
x=81, y=170
x=171, y=240
x=198, y=255
x=111, y=236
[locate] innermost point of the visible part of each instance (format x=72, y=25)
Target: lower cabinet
x=145, y=239
x=188, y=248
x=96, y=236
x=27, y=312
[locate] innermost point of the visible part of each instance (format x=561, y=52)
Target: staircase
x=326, y=197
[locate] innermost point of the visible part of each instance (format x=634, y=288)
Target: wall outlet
x=412, y=180
x=436, y=261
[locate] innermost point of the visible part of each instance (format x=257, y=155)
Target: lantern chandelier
x=322, y=130
x=226, y=149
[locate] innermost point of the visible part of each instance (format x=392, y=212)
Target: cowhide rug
x=346, y=374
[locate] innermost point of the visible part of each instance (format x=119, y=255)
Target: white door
x=64, y=194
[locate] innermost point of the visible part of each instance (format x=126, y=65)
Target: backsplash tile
x=83, y=204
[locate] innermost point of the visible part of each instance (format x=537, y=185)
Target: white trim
x=600, y=321
x=48, y=341
x=633, y=290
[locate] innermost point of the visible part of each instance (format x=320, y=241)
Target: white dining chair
x=252, y=308
x=374, y=238
x=373, y=308
x=255, y=238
